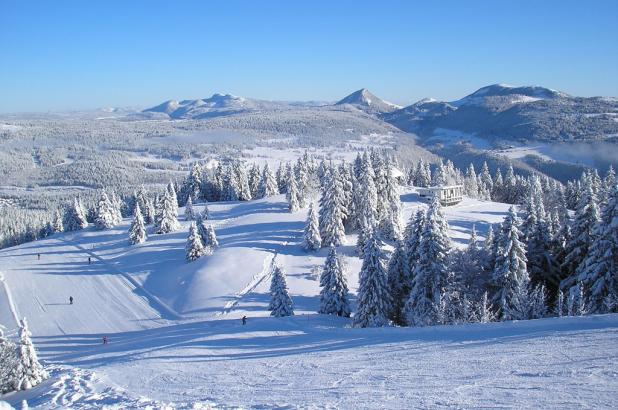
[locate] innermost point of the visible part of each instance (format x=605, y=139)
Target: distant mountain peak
x=364, y=99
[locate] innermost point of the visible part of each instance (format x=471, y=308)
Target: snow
x=175, y=335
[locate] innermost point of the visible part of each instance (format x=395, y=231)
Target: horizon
x=104, y=55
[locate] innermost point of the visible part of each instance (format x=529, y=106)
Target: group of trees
x=19, y=365
x=202, y=239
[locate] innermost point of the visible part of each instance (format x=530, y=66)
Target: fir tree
x=390, y=225
x=431, y=270
x=292, y=194
x=27, y=371
x=510, y=274
x=57, y=225
x=334, y=298
x=582, y=236
x=268, y=184
x=255, y=180
x=210, y=239
x=8, y=360
x=205, y=212
x=398, y=279
x=75, y=219
x=194, y=248
x=280, y=303
x=189, y=214
x=137, y=232
x=167, y=214
x=331, y=210
x=105, y=215
x=312, y=241
x=374, y=303
x=599, y=270
x=471, y=185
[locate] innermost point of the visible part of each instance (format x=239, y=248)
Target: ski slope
x=175, y=337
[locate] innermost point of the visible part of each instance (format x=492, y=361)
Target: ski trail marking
x=253, y=283
x=9, y=299
x=152, y=299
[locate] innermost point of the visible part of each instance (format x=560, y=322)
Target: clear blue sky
x=57, y=55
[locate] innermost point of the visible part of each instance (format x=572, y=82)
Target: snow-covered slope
x=175, y=336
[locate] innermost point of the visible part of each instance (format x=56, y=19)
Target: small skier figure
x=38, y=255
x=104, y=340
x=88, y=260
x=70, y=300
x=244, y=320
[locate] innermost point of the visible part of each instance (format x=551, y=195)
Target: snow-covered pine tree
x=366, y=196
x=487, y=184
x=398, y=279
x=116, y=208
x=280, y=301
x=7, y=363
x=439, y=176
x=334, y=299
x=171, y=189
x=105, y=215
x=609, y=183
x=312, y=241
x=210, y=238
x=27, y=371
x=331, y=210
x=373, y=302
x=292, y=194
x=510, y=276
x=57, y=225
x=230, y=186
x=431, y=271
x=390, y=225
x=192, y=186
x=137, y=232
x=281, y=178
x=423, y=174
x=194, y=247
x=268, y=184
x=485, y=314
x=205, y=212
x=189, y=214
x=167, y=214
x=470, y=182
x=75, y=218
x=244, y=193
x=254, y=180
x=582, y=236
x=599, y=270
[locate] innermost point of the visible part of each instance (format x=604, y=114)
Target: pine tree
x=244, y=193
x=75, y=219
x=292, y=194
x=374, y=302
x=57, y=225
x=189, y=214
x=334, y=298
x=27, y=371
x=582, y=236
x=137, y=232
x=194, y=248
x=390, y=225
x=280, y=303
x=598, y=272
x=255, y=180
x=167, y=214
x=431, y=270
x=205, y=212
x=366, y=196
x=268, y=184
x=485, y=312
x=398, y=279
x=510, y=275
x=412, y=240
x=210, y=239
x=471, y=185
x=312, y=241
x=8, y=360
x=105, y=214
x=192, y=187
x=331, y=210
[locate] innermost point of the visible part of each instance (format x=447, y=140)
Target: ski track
x=9, y=299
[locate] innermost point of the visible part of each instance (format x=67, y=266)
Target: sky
x=70, y=55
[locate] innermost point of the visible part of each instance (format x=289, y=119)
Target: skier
x=104, y=340
x=38, y=255
x=88, y=260
x=70, y=300
x=244, y=320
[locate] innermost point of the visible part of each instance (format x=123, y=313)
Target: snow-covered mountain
x=217, y=105
x=514, y=113
x=366, y=101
